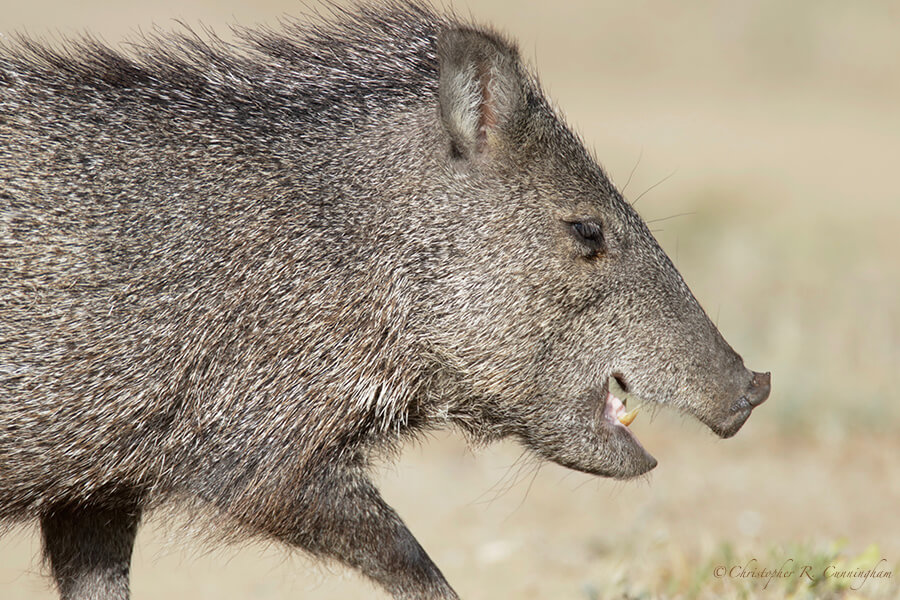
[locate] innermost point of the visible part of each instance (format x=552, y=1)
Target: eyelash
x=589, y=233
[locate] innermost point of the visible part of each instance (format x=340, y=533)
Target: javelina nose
x=760, y=386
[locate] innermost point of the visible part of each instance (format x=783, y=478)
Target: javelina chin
x=578, y=436
x=609, y=451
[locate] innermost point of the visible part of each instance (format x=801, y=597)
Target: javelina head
x=552, y=285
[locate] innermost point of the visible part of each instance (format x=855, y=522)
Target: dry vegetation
x=773, y=133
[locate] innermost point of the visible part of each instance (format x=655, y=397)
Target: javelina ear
x=481, y=88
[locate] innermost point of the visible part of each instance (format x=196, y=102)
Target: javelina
x=232, y=276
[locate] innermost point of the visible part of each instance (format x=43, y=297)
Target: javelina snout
x=692, y=368
x=734, y=417
x=758, y=391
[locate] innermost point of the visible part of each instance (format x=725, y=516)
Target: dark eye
x=589, y=233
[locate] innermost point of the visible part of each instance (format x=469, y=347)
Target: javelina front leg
x=352, y=523
x=89, y=550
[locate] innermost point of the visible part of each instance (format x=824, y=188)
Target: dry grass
x=775, y=127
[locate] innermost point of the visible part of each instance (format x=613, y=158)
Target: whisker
x=684, y=214
x=655, y=185
x=633, y=169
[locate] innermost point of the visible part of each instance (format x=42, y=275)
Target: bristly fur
x=233, y=273
x=244, y=101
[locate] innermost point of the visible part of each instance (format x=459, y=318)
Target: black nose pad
x=760, y=386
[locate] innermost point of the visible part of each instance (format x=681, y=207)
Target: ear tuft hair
x=481, y=87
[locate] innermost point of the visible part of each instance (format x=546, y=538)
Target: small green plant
x=801, y=571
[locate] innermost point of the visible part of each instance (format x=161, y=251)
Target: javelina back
x=231, y=276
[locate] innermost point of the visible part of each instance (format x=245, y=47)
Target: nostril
x=760, y=386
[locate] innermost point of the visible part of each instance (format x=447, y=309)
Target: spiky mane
x=321, y=66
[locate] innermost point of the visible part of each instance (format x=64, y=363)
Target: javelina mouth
x=617, y=419
x=723, y=423
x=615, y=412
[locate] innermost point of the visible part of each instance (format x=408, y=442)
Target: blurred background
x=761, y=141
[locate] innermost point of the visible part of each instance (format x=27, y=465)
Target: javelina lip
x=614, y=411
x=615, y=417
x=731, y=424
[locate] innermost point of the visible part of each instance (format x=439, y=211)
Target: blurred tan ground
x=773, y=130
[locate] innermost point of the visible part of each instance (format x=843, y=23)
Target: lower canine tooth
x=628, y=418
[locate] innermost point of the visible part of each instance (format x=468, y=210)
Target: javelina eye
x=589, y=233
